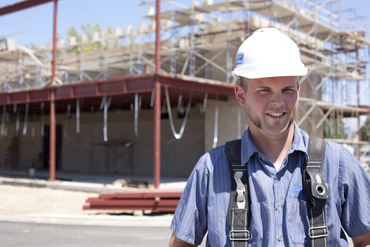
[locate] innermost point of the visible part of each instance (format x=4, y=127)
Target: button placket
x=278, y=212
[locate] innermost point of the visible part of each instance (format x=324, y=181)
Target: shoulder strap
x=315, y=185
x=239, y=206
x=316, y=190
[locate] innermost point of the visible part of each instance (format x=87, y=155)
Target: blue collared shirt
x=278, y=206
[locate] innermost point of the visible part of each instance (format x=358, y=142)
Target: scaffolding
x=199, y=42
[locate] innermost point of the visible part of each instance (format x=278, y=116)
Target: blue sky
x=34, y=25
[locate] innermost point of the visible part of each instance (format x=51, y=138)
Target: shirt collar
x=248, y=149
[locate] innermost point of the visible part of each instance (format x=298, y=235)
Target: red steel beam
x=21, y=6
x=111, y=87
x=99, y=88
x=196, y=86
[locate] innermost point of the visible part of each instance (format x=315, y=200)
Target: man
x=274, y=148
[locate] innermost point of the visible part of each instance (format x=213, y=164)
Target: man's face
x=270, y=103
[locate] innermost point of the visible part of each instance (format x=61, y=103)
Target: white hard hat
x=268, y=53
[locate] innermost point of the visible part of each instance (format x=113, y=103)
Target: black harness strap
x=316, y=190
x=239, y=206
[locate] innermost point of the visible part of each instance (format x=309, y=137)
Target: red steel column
x=157, y=100
x=52, y=137
x=52, y=100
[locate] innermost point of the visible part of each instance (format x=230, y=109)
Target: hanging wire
x=26, y=119
x=152, y=98
x=105, y=127
x=42, y=119
x=77, y=116
x=17, y=122
x=179, y=102
x=181, y=132
x=33, y=132
x=136, y=115
x=3, y=121
x=215, y=133
x=202, y=109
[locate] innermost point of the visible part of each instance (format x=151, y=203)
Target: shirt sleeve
x=354, y=190
x=190, y=218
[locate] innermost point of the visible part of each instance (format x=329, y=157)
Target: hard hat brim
x=244, y=71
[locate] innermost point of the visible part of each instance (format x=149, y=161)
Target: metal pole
x=157, y=101
x=53, y=66
x=52, y=100
x=158, y=37
x=358, y=102
x=52, y=137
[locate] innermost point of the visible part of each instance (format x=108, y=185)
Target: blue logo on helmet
x=239, y=59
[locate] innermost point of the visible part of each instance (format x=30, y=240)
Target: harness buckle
x=239, y=235
x=322, y=231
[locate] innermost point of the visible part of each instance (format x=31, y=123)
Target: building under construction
x=126, y=102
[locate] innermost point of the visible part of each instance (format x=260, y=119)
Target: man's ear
x=298, y=88
x=240, y=94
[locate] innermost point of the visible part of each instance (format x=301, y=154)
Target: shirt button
x=280, y=238
x=277, y=208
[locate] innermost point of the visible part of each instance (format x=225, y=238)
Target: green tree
x=365, y=130
x=90, y=30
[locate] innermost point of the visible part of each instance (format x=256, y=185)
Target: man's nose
x=276, y=99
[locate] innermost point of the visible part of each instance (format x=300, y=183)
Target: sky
x=35, y=25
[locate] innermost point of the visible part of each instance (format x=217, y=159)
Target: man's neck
x=274, y=147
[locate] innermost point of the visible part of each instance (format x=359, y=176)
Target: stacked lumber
x=156, y=200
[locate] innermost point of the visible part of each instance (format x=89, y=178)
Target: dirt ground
x=29, y=200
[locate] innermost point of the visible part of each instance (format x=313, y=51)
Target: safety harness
x=315, y=188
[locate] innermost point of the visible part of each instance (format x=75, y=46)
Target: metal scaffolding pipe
x=358, y=102
x=54, y=61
